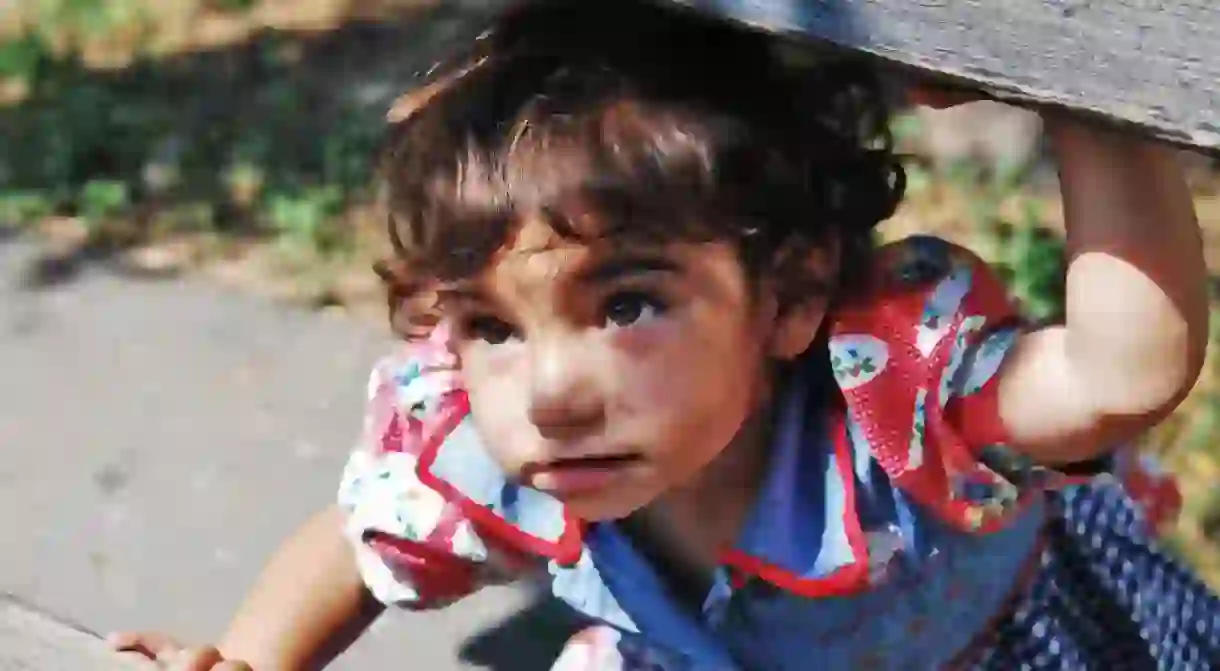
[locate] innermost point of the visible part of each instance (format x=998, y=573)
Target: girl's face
x=604, y=373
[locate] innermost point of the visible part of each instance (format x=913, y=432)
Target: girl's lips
x=580, y=476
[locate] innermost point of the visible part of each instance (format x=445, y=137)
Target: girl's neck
x=683, y=532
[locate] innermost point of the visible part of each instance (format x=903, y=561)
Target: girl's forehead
x=538, y=257
x=537, y=260
x=533, y=261
x=538, y=254
x=533, y=234
x=538, y=263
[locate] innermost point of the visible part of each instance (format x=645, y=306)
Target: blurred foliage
x=73, y=20
x=94, y=145
x=1024, y=251
x=233, y=5
x=242, y=141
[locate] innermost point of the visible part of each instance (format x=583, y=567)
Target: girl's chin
x=602, y=508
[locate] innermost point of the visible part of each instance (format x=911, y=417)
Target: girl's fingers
x=149, y=644
x=195, y=659
x=170, y=654
x=940, y=98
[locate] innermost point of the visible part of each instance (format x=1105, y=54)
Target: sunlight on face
x=604, y=373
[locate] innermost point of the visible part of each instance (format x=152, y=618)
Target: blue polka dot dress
x=1104, y=597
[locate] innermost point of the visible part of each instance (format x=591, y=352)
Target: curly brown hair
x=666, y=124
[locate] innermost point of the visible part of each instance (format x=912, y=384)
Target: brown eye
x=492, y=330
x=630, y=307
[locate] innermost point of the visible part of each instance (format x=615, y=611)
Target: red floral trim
x=454, y=408
x=846, y=579
x=437, y=575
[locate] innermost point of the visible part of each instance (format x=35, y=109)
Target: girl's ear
x=797, y=326
x=805, y=285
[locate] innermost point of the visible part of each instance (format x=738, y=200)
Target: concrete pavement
x=158, y=438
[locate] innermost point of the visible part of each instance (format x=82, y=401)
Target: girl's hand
x=168, y=653
x=938, y=97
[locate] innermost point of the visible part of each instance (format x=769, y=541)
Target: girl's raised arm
x=1135, y=333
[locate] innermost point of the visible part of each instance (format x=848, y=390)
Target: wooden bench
x=1149, y=65
x=31, y=640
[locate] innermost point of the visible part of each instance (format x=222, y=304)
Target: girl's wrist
x=1074, y=138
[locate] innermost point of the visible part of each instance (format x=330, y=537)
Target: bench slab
x=1149, y=65
x=31, y=640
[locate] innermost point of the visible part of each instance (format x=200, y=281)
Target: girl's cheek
x=645, y=338
x=657, y=385
x=651, y=360
x=488, y=360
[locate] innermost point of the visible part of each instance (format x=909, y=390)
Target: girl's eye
x=491, y=330
x=632, y=307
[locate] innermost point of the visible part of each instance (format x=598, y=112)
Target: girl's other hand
x=941, y=97
x=170, y=654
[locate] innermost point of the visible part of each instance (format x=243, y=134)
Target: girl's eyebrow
x=460, y=291
x=613, y=267
x=627, y=264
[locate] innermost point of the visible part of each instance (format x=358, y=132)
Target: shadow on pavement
x=530, y=640
x=50, y=269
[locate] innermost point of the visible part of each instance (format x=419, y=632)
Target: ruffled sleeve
x=415, y=549
x=917, y=358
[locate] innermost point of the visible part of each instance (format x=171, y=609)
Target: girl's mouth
x=583, y=475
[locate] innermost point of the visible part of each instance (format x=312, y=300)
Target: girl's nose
x=564, y=400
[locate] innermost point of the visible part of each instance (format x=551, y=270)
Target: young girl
x=653, y=356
